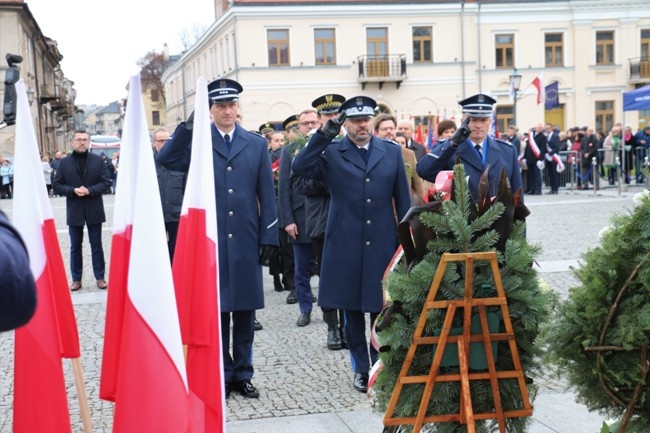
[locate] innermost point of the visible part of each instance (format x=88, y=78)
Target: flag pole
x=84, y=410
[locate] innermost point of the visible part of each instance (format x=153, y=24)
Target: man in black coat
x=172, y=189
x=291, y=208
x=82, y=178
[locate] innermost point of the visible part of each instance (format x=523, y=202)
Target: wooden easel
x=468, y=304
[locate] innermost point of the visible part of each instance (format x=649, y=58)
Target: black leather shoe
x=344, y=340
x=334, y=339
x=257, y=325
x=246, y=389
x=313, y=298
x=228, y=389
x=291, y=297
x=304, y=319
x=361, y=382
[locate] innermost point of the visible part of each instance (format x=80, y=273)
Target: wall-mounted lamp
x=30, y=95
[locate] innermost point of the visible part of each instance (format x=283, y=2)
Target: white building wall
x=463, y=64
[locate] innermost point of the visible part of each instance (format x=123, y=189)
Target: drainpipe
x=478, y=43
x=37, y=93
x=462, y=44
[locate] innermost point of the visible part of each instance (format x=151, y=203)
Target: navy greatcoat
x=88, y=209
x=246, y=209
x=18, y=289
x=367, y=200
x=500, y=155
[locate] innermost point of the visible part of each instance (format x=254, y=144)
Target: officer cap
x=266, y=127
x=479, y=105
x=224, y=90
x=328, y=104
x=290, y=122
x=358, y=107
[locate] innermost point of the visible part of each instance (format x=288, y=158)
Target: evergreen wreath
x=601, y=335
x=460, y=225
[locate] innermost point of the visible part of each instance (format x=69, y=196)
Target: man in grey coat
x=369, y=195
x=246, y=223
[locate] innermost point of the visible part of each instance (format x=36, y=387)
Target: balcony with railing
x=382, y=69
x=640, y=70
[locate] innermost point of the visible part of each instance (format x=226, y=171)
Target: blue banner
x=552, y=98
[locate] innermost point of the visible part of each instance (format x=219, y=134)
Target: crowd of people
x=595, y=157
x=321, y=196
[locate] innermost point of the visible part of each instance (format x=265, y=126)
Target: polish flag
x=538, y=83
x=40, y=399
x=143, y=370
x=196, y=278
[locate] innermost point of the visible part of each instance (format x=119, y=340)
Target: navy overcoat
x=246, y=209
x=500, y=155
x=367, y=200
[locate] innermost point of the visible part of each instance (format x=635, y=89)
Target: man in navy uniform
x=246, y=221
x=368, y=195
x=476, y=149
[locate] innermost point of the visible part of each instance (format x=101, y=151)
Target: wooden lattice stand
x=463, y=342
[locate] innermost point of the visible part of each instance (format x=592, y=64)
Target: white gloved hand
x=540, y=165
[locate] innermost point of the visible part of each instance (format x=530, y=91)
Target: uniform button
x=368, y=200
x=229, y=168
x=229, y=235
x=367, y=180
x=368, y=222
x=230, y=191
x=231, y=213
x=367, y=243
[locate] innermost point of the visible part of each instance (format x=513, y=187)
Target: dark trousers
x=287, y=261
x=97, y=252
x=553, y=175
x=239, y=366
x=355, y=332
x=302, y=254
x=172, y=232
x=534, y=179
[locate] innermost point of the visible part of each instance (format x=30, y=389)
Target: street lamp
x=515, y=82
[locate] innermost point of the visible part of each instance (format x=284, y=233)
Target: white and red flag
x=143, y=369
x=538, y=83
x=40, y=399
x=196, y=278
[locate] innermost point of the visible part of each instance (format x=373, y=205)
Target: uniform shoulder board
x=502, y=141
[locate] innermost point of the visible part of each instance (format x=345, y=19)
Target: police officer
x=476, y=149
x=367, y=183
x=317, y=201
x=246, y=220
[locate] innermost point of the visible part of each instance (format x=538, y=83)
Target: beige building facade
x=51, y=94
x=418, y=59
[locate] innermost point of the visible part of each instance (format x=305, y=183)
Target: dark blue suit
x=246, y=219
x=292, y=210
x=497, y=155
x=366, y=201
x=86, y=210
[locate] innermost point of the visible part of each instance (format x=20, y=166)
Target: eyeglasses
x=307, y=123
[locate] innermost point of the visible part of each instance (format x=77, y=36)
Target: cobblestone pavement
x=295, y=373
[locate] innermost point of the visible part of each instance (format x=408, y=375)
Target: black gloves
x=266, y=252
x=332, y=127
x=189, y=123
x=461, y=134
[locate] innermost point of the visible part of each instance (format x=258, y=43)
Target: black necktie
x=478, y=149
x=364, y=153
x=227, y=139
